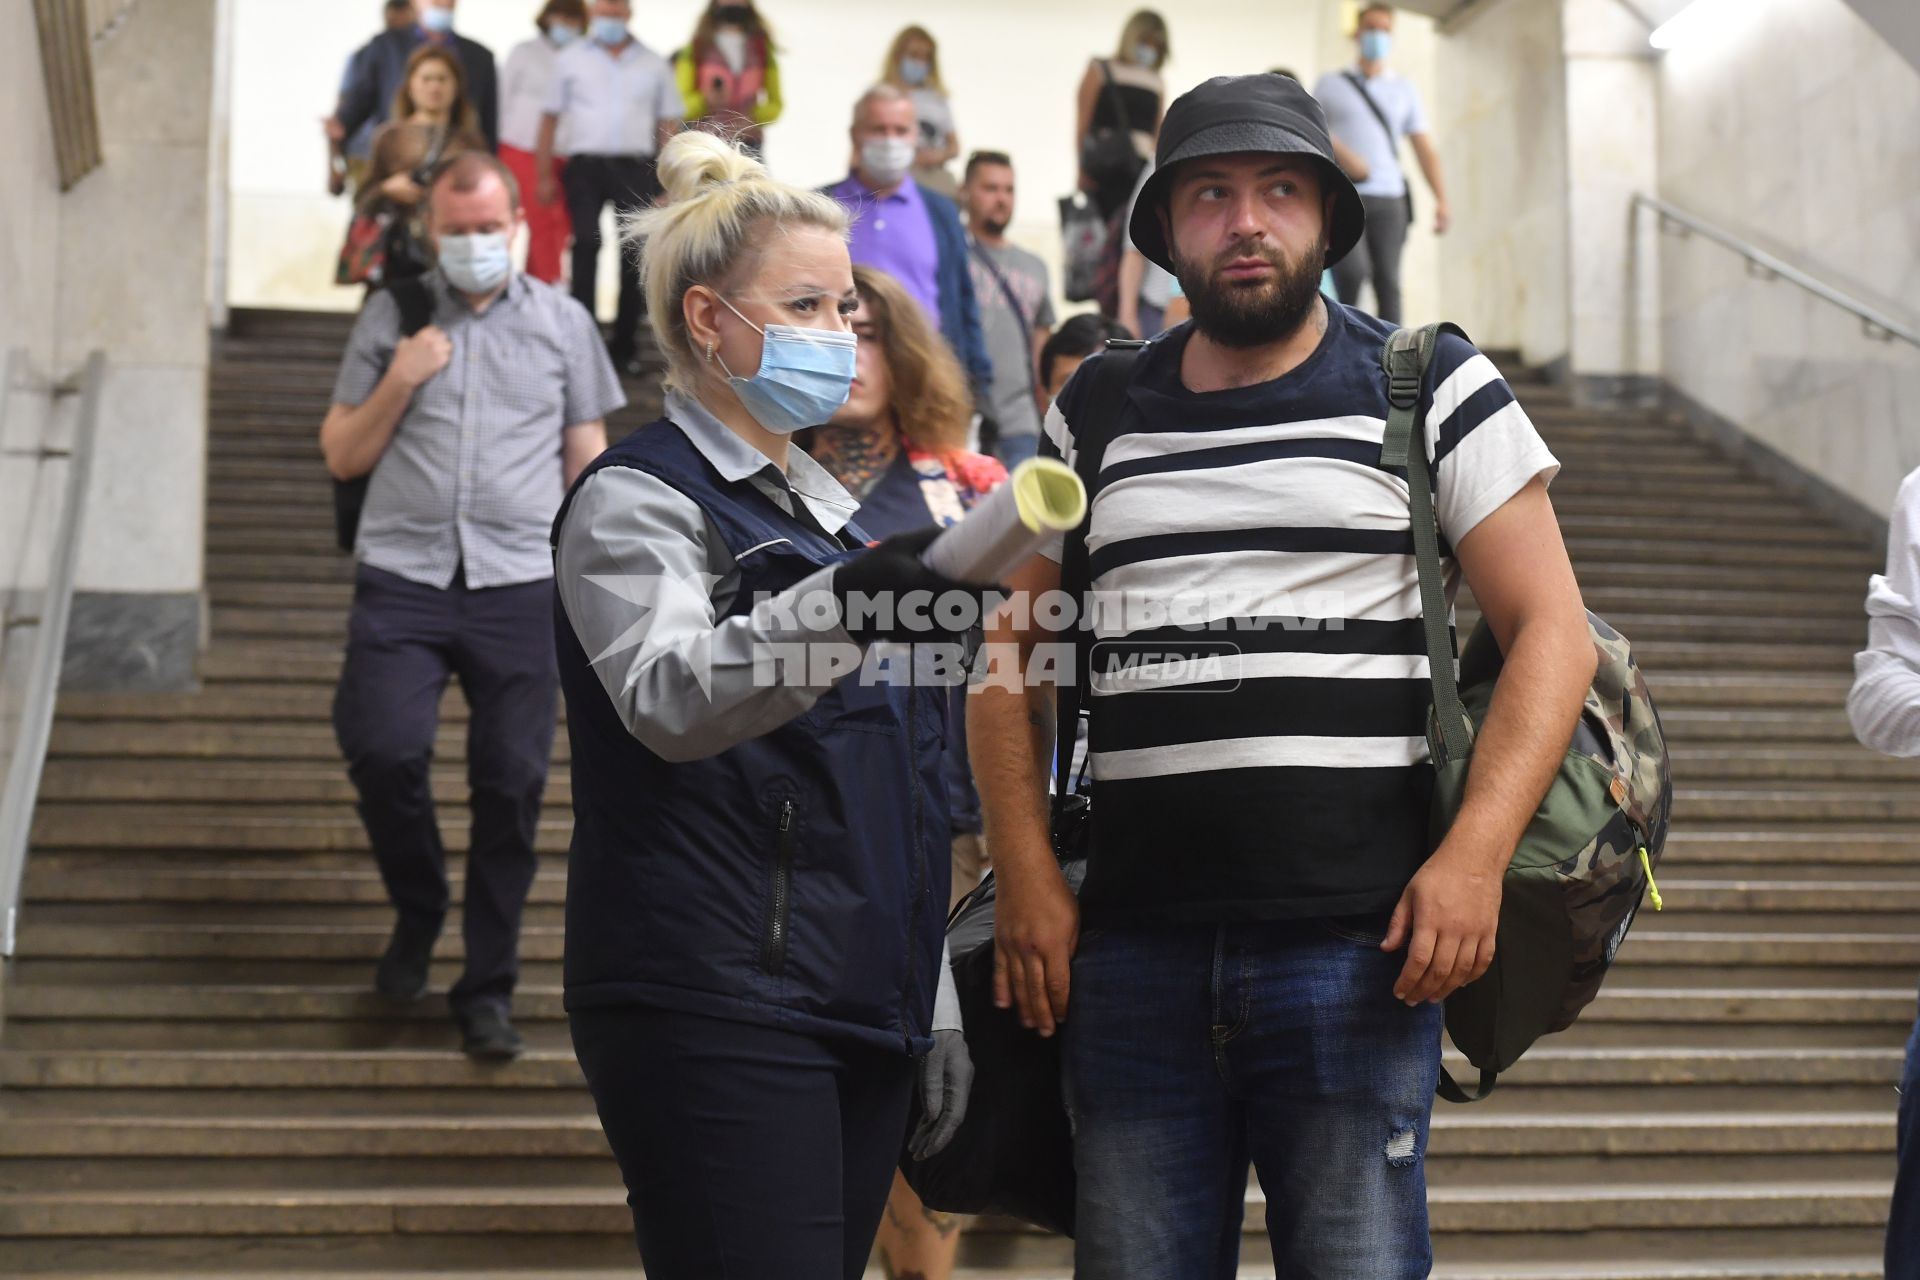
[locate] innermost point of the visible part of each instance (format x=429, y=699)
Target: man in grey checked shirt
x=472, y=429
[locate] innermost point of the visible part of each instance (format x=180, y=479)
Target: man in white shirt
x=1371, y=108
x=621, y=105
x=1884, y=707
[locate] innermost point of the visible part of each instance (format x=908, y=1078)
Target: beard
x=992, y=227
x=1255, y=313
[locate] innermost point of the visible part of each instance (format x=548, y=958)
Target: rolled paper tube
x=1041, y=499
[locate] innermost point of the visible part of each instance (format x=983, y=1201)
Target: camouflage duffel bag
x=1586, y=860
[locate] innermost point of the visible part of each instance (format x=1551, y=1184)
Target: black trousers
x=628, y=183
x=1376, y=257
x=746, y=1150
x=404, y=642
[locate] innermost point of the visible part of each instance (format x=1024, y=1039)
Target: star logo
x=649, y=593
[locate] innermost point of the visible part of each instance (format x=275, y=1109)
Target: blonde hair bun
x=721, y=208
x=695, y=162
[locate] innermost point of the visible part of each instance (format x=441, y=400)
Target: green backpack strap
x=1406, y=357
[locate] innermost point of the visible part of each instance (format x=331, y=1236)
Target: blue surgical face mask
x=611, y=32
x=434, y=18
x=914, y=70
x=1146, y=55
x=1375, y=44
x=562, y=35
x=477, y=263
x=805, y=376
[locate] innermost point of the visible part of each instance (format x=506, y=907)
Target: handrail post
x=28, y=758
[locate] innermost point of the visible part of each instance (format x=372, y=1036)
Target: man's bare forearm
x=1529, y=725
x=352, y=440
x=1009, y=740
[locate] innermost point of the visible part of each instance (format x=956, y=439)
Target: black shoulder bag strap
x=415, y=301
x=1112, y=92
x=1406, y=358
x=1393, y=141
x=1013, y=302
x=1106, y=401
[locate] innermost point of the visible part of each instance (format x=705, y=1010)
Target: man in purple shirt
x=912, y=234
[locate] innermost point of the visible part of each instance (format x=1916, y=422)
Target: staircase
x=196, y=1081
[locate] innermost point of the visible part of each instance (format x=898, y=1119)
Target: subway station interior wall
x=1501, y=116
x=1012, y=68
x=118, y=264
x=1796, y=127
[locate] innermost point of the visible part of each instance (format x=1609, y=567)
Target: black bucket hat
x=1264, y=112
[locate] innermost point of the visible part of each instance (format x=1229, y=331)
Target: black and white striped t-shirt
x=1271, y=763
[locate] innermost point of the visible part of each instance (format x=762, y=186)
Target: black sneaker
x=485, y=1033
x=402, y=974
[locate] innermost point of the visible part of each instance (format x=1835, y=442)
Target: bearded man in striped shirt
x=1268, y=931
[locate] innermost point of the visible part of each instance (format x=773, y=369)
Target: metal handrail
x=29, y=755
x=1878, y=323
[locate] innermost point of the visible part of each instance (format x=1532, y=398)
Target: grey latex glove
x=946, y=1078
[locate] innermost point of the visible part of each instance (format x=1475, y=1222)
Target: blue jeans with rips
x=1194, y=1049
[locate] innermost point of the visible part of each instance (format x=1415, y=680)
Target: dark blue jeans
x=1191, y=1050
x=1903, y=1225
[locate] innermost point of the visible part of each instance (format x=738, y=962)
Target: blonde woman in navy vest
x=758, y=880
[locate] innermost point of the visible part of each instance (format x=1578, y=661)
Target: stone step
x=188, y=826
x=1853, y=561
x=559, y=1210
x=1829, y=1254
x=1863, y=1007
x=186, y=781
x=301, y=694
x=209, y=1126
x=1792, y=790
x=1551, y=1071
x=1840, y=628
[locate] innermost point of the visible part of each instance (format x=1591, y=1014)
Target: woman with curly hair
x=898, y=446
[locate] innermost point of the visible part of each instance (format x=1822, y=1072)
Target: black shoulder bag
x=1013, y=1155
x=1107, y=153
x=1393, y=142
x=349, y=496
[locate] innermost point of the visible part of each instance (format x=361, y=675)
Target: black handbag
x=350, y=496
x=1013, y=1155
x=1107, y=153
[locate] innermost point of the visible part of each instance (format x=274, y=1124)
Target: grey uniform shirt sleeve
x=639, y=570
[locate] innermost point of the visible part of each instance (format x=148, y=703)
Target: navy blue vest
x=799, y=879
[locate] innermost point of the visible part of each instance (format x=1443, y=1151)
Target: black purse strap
x=1112, y=94
x=1106, y=401
x=1393, y=142
x=415, y=303
x=981, y=256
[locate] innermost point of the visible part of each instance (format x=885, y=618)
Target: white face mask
x=732, y=44
x=885, y=161
x=477, y=263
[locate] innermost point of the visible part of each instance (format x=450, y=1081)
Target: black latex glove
x=884, y=574
x=946, y=1081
